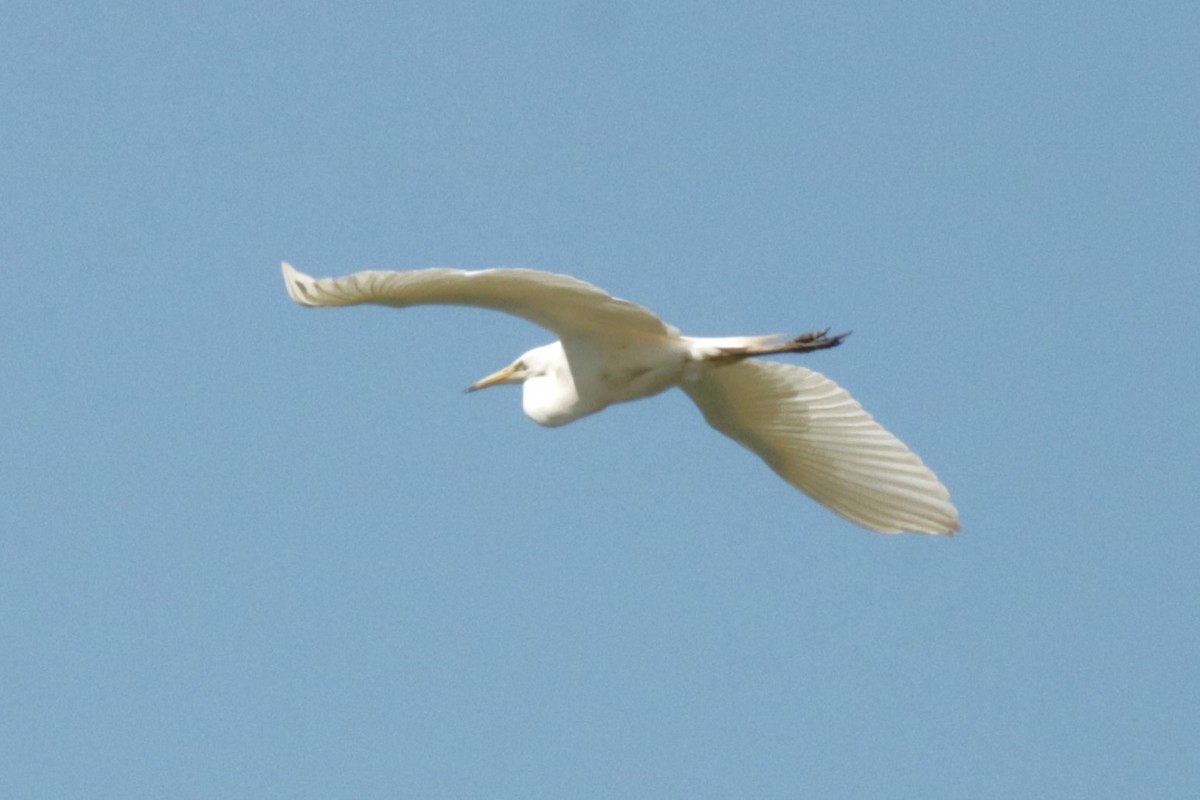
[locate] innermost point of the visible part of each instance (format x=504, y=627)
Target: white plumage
x=806, y=427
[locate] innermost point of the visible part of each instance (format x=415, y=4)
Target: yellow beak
x=500, y=376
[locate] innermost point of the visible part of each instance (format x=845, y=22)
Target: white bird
x=806, y=427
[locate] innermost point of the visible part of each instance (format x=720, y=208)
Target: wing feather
x=820, y=440
x=567, y=306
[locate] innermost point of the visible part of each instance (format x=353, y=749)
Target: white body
x=807, y=428
x=583, y=378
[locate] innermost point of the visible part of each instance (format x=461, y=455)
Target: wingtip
x=952, y=524
x=945, y=527
x=948, y=530
x=940, y=520
x=294, y=280
x=938, y=530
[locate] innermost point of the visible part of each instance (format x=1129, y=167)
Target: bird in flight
x=803, y=425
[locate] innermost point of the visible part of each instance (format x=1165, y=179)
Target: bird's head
x=548, y=396
x=534, y=364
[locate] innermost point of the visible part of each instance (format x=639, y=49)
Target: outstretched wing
x=820, y=440
x=567, y=306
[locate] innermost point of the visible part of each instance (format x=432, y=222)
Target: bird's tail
x=736, y=348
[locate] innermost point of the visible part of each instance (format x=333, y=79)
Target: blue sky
x=252, y=550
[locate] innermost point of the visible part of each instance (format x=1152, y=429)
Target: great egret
x=806, y=427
